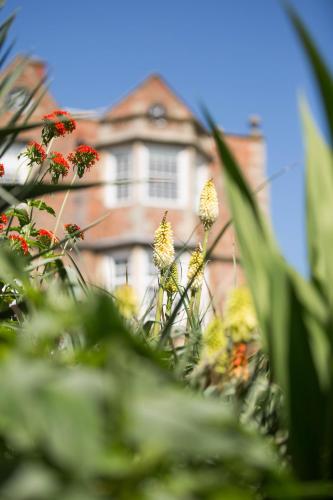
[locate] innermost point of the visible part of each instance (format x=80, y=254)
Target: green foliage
x=93, y=412
x=295, y=315
x=92, y=408
x=41, y=205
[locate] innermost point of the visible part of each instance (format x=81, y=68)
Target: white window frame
x=182, y=176
x=201, y=177
x=150, y=284
x=112, y=281
x=110, y=175
x=16, y=170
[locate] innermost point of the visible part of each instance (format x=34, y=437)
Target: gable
x=32, y=73
x=153, y=90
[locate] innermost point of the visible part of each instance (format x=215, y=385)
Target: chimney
x=255, y=125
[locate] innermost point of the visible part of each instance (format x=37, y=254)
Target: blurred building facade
x=155, y=156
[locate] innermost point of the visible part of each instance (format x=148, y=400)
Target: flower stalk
x=163, y=257
x=159, y=307
x=208, y=213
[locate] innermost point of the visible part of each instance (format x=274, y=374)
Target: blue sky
x=239, y=57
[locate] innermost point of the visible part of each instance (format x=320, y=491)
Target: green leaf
x=4, y=131
x=320, y=70
x=319, y=190
x=32, y=190
x=293, y=319
x=41, y=205
x=8, y=81
x=4, y=28
x=21, y=214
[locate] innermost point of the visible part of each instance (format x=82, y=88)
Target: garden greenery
x=97, y=402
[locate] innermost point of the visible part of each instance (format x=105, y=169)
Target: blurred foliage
x=91, y=407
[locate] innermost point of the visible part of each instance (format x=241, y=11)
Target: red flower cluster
x=239, y=363
x=58, y=166
x=45, y=237
x=83, y=157
x=57, y=124
x=72, y=230
x=35, y=153
x=16, y=238
x=3, y=221
x=2, y=170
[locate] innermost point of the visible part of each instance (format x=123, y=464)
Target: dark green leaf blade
x=22, y=193
x=290, y=311
x=319, y=68
x=319, y=189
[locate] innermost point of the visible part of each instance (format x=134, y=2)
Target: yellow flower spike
x=172, y=281
x=127, y=301
x=164, y=253
x=214, y=345
x=239, y=317
x=209, y=206
x=196, y=269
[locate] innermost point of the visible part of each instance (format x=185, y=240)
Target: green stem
x=62, y=209
x=168, y=305
x=159, y=305
x=196, y=306
x=189, y=322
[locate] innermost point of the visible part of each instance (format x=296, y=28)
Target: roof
x=153, y=90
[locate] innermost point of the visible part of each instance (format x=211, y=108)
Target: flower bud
x=209, y=207
x=164, y=253
x=127, y=301
x=239, y=317
x=196, y=269
x=214, y=345
x=172, y=282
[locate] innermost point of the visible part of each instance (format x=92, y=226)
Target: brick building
x=155, y=156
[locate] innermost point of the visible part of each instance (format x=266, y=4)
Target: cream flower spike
x=196, y=269
x=164, y=253
x=127, y=301
x=172, y=281
x=240, y=319
x=209, y=206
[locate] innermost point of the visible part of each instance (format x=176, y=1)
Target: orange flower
x=58, y=166
x=20, y=242
x=83, y=157
x=72, y=230
x=57, y=124
x=35, y=153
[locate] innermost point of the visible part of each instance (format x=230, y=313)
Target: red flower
x=239, y=362
x=45, y=237
x=72, y=230
x=58, y=166
x=3, y=221
x=45, y=232
x=35, y=153
x=2, y=170
x=57, y=124
x=16, y=238
x=83, y=157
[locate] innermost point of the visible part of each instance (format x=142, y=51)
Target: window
x=118, y=173
x=151, y=286
x=163, y=172
x=16, y=170
x=123, y=174
x=17, y=98
x=121, y=273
